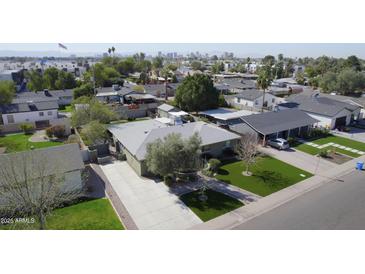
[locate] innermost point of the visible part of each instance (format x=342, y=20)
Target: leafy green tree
x=157, y=63
x=268, y=60
x=353, y=62
x=7, y=92
x=289, y=68
x=173, y=154
x=94, y=132
x=93, y=111
x=196, y=65
x=328, y=82
x=50, y=77
x=299, y=77
x=350, y=81
x=263, y=81
x=217, y=67
x=65, y=80
x=126, y=66
x=197, y=93
x=35, y=80
x=83, y=90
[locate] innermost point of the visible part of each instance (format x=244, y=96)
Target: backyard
x=20, y=142
x=268, y=175
x=90, y=215
x=339, y=144
x=217, y=204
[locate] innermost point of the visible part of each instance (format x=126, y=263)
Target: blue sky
x=244, y=50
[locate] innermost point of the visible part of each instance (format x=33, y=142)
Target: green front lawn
x=20, y=142
x=90, y=215
x=217, y=204
x=333, y=139
x=268, y=175
x=67, y=109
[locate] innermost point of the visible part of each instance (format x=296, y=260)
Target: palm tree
x=263, y=82
x=109, y=50
x=113, y=50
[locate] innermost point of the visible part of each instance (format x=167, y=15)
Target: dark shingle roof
x=272, y=122
x=54, y=160
x=318, y=105
x=29, y=106
x=249, y=95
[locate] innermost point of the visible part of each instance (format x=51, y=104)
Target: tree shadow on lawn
x=271, y=178
x=216, y=201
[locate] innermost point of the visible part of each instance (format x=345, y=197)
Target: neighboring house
x=164, y=109
x=170, y=114
x=237, y=85
x=115, y=94
x=253, y=99
x=132, y=138
x=330, y=113
x=358, y=101
x=38, y=111
x=277, y=124
x=158, y=90
x=65, y=159
x=63, y=97
x=225, y=117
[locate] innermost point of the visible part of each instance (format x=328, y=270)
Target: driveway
x=150, y=203
x=300, y=159
x=357, y=134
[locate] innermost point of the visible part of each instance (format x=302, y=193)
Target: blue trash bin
x=360, y=165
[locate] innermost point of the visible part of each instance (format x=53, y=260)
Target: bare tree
x=33, y=185
x=247, y=151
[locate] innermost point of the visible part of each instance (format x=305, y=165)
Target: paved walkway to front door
x=150, y=203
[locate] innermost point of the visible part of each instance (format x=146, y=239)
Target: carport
x=280, y=124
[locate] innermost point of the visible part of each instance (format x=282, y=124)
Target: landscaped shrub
x=214, y=164
x=323, y=153
x=49, y=132
x=27, y=128
x=73, y=139
x=169, y=180
x=319, y=132
x=57, y=131
x=291, y=141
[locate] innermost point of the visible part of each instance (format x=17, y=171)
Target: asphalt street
x=336, y=205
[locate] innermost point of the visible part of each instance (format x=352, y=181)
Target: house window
x=273, y=100
x=256, y=102
x=10, y=119
x=238, y=100
x=228, y=143
x=49, y=113
x=41, y=113
x=206, y=148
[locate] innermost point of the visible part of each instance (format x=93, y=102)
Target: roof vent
x=146, y=131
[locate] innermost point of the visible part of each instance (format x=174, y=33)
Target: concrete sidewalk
x=265, y=204
x=300, y=159
x=240, y=194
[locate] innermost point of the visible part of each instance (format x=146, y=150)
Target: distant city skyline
x=239, y=49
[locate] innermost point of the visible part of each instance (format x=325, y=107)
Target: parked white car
x=278, y=143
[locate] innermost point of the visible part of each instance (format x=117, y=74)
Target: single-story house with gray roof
x=276, y=124
x=132, y=138
x=330, y=113
x=65, y=160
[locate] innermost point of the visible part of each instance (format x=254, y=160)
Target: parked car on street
x=278, y=143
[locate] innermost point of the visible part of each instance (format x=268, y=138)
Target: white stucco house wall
x=28, y=111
